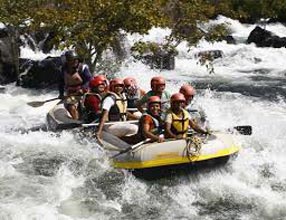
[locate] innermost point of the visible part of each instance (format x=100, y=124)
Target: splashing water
x=46, y=175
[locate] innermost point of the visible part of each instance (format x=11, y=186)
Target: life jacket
x=89, y=111
x=74, y=82
x=180, y=125
x=88, y=103
x=118, y=111
x=157, y=126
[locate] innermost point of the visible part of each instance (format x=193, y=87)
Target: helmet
x=187, y=90
x=114, y=82
x=96, y=81
x=104, y=79
x=71, y=55
x=154, y=99
x=129, y=81
x=157, y=80
x=178, y=97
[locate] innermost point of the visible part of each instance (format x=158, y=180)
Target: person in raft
x=178, y=120
x=114, y=108
x=158, y=85
x=93, y=98
x=133, y=94
x=197, y=113
x=150, y=124
x=73, y=82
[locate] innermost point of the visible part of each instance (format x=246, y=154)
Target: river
x=46, y=175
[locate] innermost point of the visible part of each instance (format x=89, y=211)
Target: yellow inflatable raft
x=151, y=157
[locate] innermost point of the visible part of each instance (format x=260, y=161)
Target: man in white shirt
x=114, y=108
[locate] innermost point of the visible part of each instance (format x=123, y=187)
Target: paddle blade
x=245, y=130
x=36, y=104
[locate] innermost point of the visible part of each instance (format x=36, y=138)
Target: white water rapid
x=46, y=175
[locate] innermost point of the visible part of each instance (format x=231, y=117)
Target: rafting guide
x=73, y=83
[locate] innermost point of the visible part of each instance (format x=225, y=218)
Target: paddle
x=133, y=147
x=243, y=129
x=109, y=123
x=36, y=104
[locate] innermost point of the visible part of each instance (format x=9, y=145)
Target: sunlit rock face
x=9, y=55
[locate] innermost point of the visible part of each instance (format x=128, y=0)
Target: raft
x=58, y=118
x=160, y=159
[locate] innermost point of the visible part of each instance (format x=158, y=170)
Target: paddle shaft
x=110, y=123
x=133, y=147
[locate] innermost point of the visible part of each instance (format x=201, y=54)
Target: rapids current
x=46, y=175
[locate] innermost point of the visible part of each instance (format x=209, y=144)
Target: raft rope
x=194, y=145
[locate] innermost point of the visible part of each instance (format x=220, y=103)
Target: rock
x=165, y=61
x=40, y=74
x=264, y=38
x=229, y=39
x=210, y=54
x=9, y=55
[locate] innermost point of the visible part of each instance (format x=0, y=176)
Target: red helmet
x=157, y=80
x=178, y=97
x=102, y=77
x=115, y=82
x=154, y=99
x=96, y=81
x=187, y=90
x=129, y=81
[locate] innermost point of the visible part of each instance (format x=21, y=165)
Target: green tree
x=88, y=25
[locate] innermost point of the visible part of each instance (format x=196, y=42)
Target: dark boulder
x=40, y=74
x=264, y=38
x=229, y=39
x=9, y=55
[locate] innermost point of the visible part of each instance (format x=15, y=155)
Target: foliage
x=252, y=10
x=141, y=49
x=186, y=18
x=90, y=25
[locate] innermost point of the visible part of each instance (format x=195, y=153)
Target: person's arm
x=130, y=116
x=103, y=119
x=148, y=134
x=168, y=125
x=203, y=114
x=197, y=128
x=86, y=76
x=168, y=131
x=141, y=102
x=106, y=105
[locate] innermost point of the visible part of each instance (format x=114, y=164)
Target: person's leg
x=124, y=129
x=73, y=111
